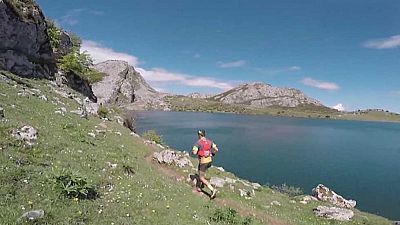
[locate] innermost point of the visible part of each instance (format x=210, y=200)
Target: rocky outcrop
x=172, y=157
x=65, y=46
x=334, y=213
x=27, y=134
x=264, y=95
x=323, y=193
x=124, y=86
x=77, y=83
x=25, y=47
x=199, y=95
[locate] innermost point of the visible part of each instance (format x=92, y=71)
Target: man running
x=205, y=149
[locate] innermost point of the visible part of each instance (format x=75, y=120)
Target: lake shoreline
x=275, y=116
x=273, y=150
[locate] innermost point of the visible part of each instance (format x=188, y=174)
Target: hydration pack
x=205, y=147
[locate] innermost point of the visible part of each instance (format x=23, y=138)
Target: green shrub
x=229, y=216
x=128, y=170
x=54, y=34
x=289, y=190
x=103, y=112
x=73, y=186
x=81, y=64
x=152, y=135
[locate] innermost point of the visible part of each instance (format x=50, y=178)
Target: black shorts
x=203, y=167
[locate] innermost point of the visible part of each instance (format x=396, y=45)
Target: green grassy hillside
x=125, y=186
x=183, y=103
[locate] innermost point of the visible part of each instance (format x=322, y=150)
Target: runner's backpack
x=205, y=146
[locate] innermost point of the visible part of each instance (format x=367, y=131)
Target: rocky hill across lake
x=265, y=95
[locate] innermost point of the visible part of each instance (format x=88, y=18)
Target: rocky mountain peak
x=123, y=85
x=261, y=94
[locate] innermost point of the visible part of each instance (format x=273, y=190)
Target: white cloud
x=396, y=93
x=160, y=75
x=233, y=64
x=101, y=53
x=320, y=84
x=278, y=70
x=339, y=107
x=156, y=76
x=71, y=18
x=384, y=43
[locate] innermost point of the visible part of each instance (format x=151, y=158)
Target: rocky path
x=242, y=210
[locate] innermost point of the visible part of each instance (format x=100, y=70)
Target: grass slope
x=150, y=196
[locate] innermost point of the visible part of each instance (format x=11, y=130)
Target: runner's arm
x=195, y=149
x=215, y=147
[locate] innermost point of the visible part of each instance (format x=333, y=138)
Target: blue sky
x=337, y=51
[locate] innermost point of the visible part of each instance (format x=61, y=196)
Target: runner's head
x=201, y=133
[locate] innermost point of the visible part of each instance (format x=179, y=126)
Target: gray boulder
x=33, y=215
x=1, y=113
x=247, y=194
x=25, y=47
x=217, y=182
x=27, y=134
x=334, y=213
x=323, y=193
x=172, y=157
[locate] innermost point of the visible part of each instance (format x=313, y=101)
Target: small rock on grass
x=1, y=113
x=217, y=182
x=33, y=215
x=334, y=213
x=275, y=203
x=26, y=133
x=246, y=193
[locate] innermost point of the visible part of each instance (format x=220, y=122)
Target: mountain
x=263, y=95
x=25, y=47
x=123, y=85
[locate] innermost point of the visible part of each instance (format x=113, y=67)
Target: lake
x=359, y=160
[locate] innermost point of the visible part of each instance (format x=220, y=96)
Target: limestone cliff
x=24, y=43
x=123, y=85
x=264, y=95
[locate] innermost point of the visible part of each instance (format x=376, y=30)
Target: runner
x=205, y=149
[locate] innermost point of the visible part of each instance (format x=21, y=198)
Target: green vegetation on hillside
x=75, y=61
x=152, y=135
x=93, y=171
x=54, y=34
x=182, y=103
x=81, y=64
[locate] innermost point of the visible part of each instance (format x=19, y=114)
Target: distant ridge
x=264, y=95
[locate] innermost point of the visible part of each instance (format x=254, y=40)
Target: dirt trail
x=242, y=210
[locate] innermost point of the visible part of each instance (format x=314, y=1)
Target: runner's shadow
x=197, y=183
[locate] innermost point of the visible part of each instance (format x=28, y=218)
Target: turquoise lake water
x=359, y=160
